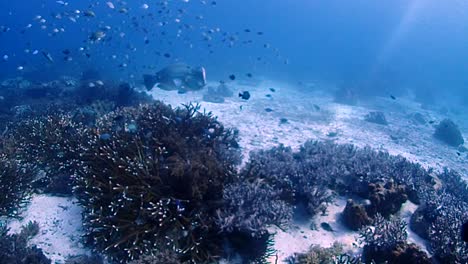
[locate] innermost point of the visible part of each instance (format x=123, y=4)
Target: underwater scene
x=233, y=131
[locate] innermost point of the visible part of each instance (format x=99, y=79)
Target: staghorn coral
x=308, y=174
x=439, y=220
x=319, y=255
x=152, y=174
x=386, y=241
x=14, y=248
x=291, y=175
x=84, y=259
x=251, y=207
x=385, y=234
x=48, y=143
x=158, y=256
x=349, y=170
x=15, y=185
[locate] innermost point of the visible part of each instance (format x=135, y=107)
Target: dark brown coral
x=385, y=199
x=151, y=175
x=355, y=216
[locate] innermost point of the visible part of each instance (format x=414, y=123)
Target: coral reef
x=318, y=255
x=387, y=242
x=376, y=117
x=15, y=185
x=251, y=207
x=252, y=249
x=385, y=199
x=165, y=256
x=448, y=132
x=46, y=142
x=84, y=259
x=122, y=94
x=439, y=220
x=20, y=94
x=14, y=248
x=355, y=216
x=293, y=176
x=151, y=175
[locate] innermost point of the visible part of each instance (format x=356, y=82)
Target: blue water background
x=380, y=46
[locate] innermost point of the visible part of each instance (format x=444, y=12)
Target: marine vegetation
x=15, y=185
x=153, y=175
x=387, y=241
x=14, y=248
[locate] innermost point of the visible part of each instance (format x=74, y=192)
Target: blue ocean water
x=416, y=44
x=390, y=75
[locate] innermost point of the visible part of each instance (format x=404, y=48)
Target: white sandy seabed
x=60, y=218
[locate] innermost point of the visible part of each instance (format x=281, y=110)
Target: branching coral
x=15, y=185
x=154, y=174
x=48, y=143
x=349, y=169
x=318, y=255
x=293, y=177
x=14, y=248
x=251, y=207
x=386, y=241
x=439, y=220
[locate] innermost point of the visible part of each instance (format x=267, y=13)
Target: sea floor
x=310, y=115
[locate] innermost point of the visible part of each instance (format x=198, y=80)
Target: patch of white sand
x=60, y=226
x=405, y=213
x=300, y=236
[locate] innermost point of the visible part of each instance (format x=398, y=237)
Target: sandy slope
x=60, y=218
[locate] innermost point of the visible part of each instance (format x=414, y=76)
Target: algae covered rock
x=447, y=131
x=355, y=216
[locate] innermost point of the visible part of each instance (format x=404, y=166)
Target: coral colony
x=163, y=185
